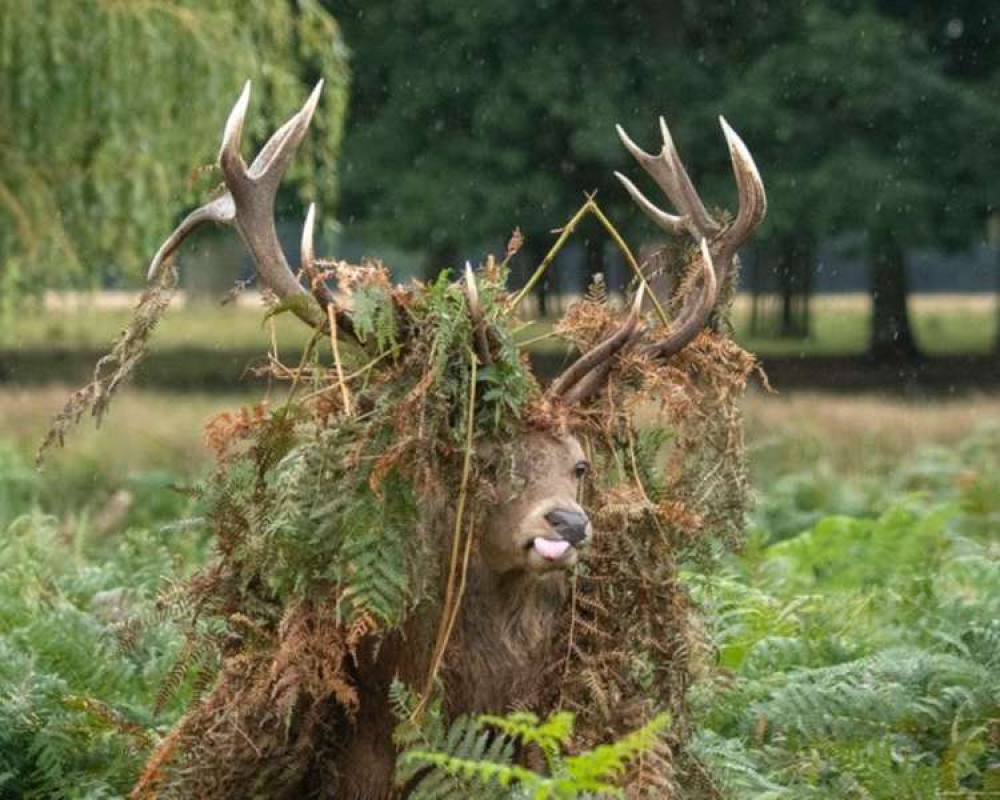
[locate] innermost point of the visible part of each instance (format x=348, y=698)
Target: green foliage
x=862, y=652
x=80, y=492
x=869, y=75
x=465, y=758
x=350, y=537
x=300, y=537
x=375, y=316
x=478, y=754
x=875, y=90
x=92, y=150
x=506, y=384
x=76, y=710
x=472, y=142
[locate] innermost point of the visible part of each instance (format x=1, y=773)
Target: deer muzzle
x=570, y=529
x=572, y=526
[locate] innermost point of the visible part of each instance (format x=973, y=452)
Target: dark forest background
x=875, y=123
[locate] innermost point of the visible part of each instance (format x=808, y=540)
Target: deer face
x=537, y=525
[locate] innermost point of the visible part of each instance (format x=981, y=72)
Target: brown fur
x=493, y=665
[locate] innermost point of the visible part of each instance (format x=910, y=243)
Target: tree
x=468, y=121
x=857, y=127
x=962, y=35
x=784, y=265
x=857, y=123
x=105, y=105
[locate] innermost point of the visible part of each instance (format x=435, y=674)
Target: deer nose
x=570, y=525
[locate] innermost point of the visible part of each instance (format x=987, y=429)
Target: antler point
x=313, y=101
x=233, y=131
x=637, y=152
x=639, y=296
x=308, y=247
x=668, y=140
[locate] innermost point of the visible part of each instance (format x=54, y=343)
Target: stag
x=533, y=530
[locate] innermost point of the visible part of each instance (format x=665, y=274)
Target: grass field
x=943, y=323
x=148, y=433
x=856, y=434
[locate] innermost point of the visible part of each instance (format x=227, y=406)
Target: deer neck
x=507, y=623
x=517, y=606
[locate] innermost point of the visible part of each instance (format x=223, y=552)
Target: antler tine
x=693, y=315
x=320, y=291
x=307, y=259
x=753, y=199
x=234, y=168
x=590, y=383
x=476, y=316
x=221, y=211
x=275, y=156
x=307, y=248
x=248, y=206
x=594, y=359
x=671, y=223
x=670, y=175
x=689, y=201
x=661, y=171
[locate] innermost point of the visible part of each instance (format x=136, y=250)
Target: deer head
x=537, y=525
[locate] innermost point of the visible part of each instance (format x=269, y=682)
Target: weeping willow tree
x=105, y=105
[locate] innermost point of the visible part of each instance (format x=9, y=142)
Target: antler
x=592, y=362
x=479, y=328
x=718, y=245
x=248, y=206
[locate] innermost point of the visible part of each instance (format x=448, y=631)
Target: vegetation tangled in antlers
x=403, y=400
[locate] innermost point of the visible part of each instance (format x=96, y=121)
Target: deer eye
x=581, y=469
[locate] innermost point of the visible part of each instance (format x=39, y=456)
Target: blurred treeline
x=877, y=118
x=874, y=120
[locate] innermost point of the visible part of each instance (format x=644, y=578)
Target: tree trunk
x=595, y=261
x=781, y=280
x=891, y=334
x=795, y=266
x=542, y=296
x=996, y=336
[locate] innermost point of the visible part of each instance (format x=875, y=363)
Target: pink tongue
x=547, y=548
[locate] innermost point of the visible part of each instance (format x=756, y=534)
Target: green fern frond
x=477, y=754
x=550, y=736
x=463, y=758
x=374, y=316
x=595, y=770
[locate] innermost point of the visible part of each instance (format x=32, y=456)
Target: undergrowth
x=477, y=756
x=76, y=709
x=856, y=656
x=860, y=657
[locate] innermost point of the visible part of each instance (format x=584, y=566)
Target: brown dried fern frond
x=115, y=369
